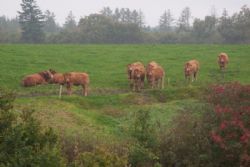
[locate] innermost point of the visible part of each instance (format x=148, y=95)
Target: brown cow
x=37, y=79
x=223, y=60
x=155, y=75
x=138, y=79
x=58, y=78
x=191, y=69
x=136, y=75
x=76, y=78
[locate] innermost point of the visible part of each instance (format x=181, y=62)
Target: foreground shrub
x=23, y=142
x=186, y=143
x=101, y=157
x=143, y=151
x=217, y=135
x=231, y=132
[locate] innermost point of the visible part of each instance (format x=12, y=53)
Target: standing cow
x=223, y=60
x=136, y=75
x=58, y=78
x=37, y=79
x=155, y=75
x=191, y=69
x=76, y=78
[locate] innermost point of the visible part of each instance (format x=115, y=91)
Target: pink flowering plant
x=231, y=133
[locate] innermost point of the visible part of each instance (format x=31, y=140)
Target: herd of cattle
x=136, y=75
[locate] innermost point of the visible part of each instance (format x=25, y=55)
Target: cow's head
x=47, y=75
x=52, y=71
x=188, y=69
x=136, y=74
x=222, y=59
x=130, y=70
x=150, y=76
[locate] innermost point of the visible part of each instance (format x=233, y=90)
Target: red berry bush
x=231, y=131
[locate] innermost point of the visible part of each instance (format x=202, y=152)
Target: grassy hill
x=108, y=113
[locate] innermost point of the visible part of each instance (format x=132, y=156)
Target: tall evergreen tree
x=166, y=21
x=31, y=20
x=50, y=25
x=184, y=20
x=141, y=19
x=106, y=11
x=70, y=22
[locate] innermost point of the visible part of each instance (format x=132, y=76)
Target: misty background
x=117, y=21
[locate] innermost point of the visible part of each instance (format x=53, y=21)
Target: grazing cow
x=223, y=60
x=191, y=69
x=155, y=75
x=37, y=79
x=76, y=78
x=136, y=75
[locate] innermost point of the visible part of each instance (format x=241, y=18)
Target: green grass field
x=109, y=109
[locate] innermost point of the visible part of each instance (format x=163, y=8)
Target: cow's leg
x=69, y=89
x=138, y=84
x=134, y=85
x=85, y=90
x=131, y=84
x=142, y=81
x=195, y=76
x=153, y=83
x=157, y=83
x=162, y=83
x=186, y=78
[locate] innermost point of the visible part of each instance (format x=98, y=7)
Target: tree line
x=123, y=25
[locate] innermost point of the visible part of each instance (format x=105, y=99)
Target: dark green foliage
x=216, y=135
x=23, y=142
x=142, y=153
x=50, y=26
x=9, y=30
x=31, y=20
x=166, y=21
x=98, y=28
x=124, y=25
x=100, y=157
x=186, y=143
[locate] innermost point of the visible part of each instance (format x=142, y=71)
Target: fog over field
x=151, y=9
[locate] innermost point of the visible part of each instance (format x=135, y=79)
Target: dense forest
x=124, y=25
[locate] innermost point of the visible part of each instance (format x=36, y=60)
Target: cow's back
x=58, y=78
x=158, y=72
x=32, y=80
x=195, y=65
x=77, y=78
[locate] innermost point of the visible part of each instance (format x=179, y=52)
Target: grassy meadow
x=108, y=111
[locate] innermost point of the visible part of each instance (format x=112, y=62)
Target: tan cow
x=58, y=78
x=76, y=78
x=223, y=60
x=136, y=75
x=37, y=79
x=155, y=75
x=191, y=69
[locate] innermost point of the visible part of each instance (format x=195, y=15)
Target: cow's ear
x=52, y=71
x=44, y=75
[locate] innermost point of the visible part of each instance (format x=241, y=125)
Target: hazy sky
x=152, y=9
